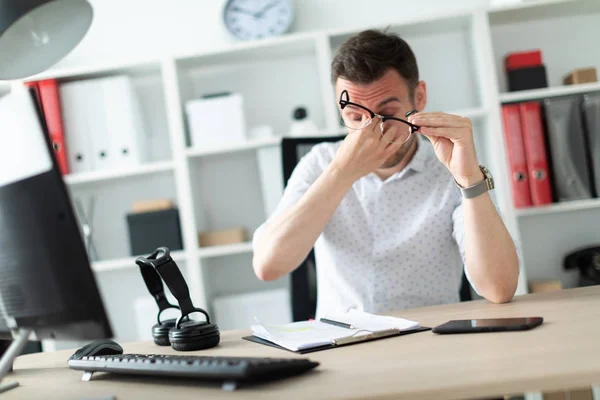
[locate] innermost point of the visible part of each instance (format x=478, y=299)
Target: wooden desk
x=562, y=353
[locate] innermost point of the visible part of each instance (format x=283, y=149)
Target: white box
x=216, y=121
x=238, y=311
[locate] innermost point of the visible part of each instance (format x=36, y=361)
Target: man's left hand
x=452, y=140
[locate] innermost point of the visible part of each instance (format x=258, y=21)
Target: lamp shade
x=36, y=34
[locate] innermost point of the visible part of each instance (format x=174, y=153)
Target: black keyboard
x=230, y=371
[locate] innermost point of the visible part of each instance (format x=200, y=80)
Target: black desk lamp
x=36, y=34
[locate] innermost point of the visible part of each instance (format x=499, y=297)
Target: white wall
x=148, y=28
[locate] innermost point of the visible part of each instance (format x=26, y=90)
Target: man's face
x=389, y=95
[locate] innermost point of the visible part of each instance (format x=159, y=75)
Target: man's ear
x=420, y=96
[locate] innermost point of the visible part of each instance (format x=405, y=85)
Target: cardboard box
x=582, y=75
x=544, y=286
x=152, y=205
x=226, y=236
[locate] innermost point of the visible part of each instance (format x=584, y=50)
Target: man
x=393, y=219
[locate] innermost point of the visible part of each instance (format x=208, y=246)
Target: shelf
x=136, y=67
x=527, y=11
x=99, y=176
x=471, y=113
x=129, y=262
x=225, y=250
x=270, y=48
x=234, y=147
x=425, y=23
x=574, y=205
x=543, y=93
x=258, y=143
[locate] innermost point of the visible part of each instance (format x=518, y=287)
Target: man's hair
x=366, y=56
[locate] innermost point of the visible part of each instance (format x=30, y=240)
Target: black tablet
x=488, y=325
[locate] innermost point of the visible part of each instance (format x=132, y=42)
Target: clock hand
x=243, y=11
x=267, y=8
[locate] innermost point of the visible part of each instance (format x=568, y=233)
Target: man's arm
x=287, y=239
x=282, y=243
x=490, y=255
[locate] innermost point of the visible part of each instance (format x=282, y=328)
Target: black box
x=527, y=78
x=153, y=229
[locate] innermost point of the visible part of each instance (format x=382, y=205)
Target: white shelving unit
x=556, y=91
x=108, y=175
x=564, y=32
x=249, y=145
x=460, y=57
x=576, y=205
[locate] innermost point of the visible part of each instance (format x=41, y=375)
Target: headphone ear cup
x=194, y=335
x=160, y=332
x=197, y=344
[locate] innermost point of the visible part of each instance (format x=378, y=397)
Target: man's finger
x=442, y=121
x=428, y=114
x=450, y=133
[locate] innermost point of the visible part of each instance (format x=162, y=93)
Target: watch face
x=257, y=19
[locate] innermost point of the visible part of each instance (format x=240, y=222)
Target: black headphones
x=182, y=334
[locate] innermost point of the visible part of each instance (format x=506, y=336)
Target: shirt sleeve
x=459, y=236
x=306, y=172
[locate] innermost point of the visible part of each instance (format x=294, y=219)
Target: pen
x=332, y=322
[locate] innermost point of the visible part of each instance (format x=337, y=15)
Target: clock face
x=257, y=19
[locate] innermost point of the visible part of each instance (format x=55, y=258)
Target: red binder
x=535, y=152
x=49, y=97
x=516, y=155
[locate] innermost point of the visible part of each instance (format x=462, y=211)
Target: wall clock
x=257, y=19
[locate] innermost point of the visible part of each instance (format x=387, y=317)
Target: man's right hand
x=362, y=152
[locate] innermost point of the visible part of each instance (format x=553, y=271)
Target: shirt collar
x=418, y=163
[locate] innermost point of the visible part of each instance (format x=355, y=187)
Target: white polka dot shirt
x=390, y=245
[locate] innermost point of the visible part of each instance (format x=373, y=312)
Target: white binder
x=125, y=126
x=73, y=100
x=103, y=123
x=94, y=102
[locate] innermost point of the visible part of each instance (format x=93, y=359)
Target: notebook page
x=301, y=335
x=372, y=322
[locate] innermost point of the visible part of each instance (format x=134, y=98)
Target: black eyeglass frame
x=346, y=102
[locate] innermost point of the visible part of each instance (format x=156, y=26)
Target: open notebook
x=309, y=335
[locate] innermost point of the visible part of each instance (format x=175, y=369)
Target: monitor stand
x=6, y=362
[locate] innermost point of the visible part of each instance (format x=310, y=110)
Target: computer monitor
x=46, y=282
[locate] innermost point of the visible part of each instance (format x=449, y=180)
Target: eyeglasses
x=357, y=117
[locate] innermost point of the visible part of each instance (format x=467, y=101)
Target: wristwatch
x=486, y=184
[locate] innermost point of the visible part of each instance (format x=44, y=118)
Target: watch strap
x=479, y=188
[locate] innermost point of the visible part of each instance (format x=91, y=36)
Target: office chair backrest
x=303, y=279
